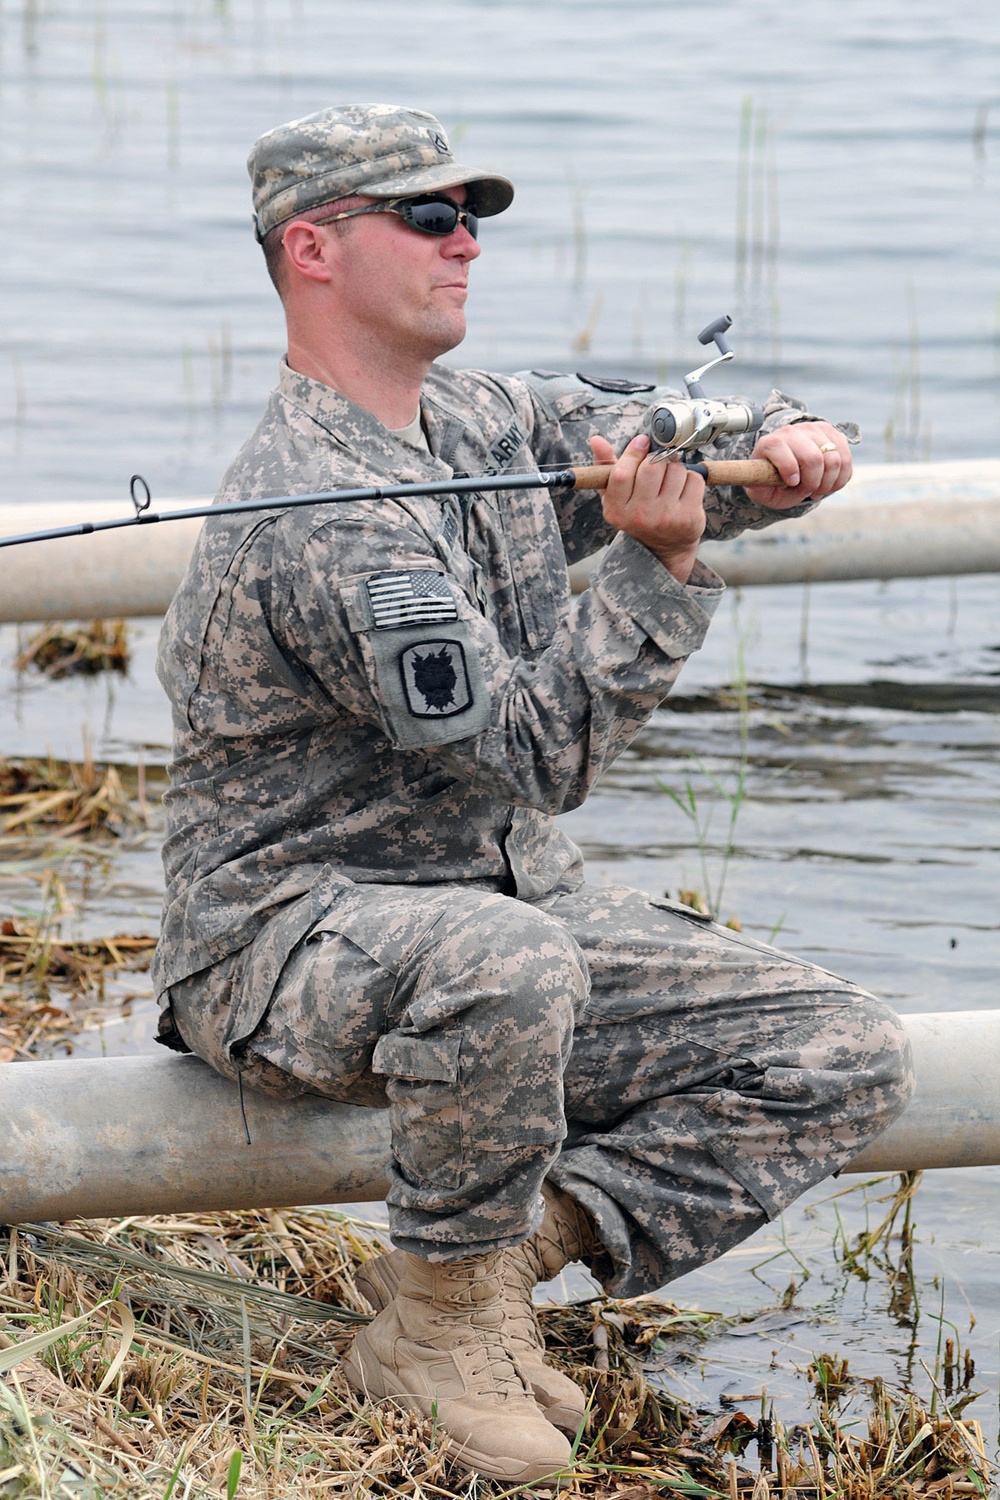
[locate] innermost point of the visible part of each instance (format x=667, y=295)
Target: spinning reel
x=678, y=426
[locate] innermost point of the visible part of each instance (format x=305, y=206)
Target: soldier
x=379, y=709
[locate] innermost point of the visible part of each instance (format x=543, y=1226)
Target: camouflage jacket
x=405, y=690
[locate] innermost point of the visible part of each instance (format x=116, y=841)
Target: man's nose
x=460, y=243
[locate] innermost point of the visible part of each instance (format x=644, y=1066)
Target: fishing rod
x=674, y=426
x=593, y=477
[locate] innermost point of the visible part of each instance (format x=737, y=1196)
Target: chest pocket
x=538, y=564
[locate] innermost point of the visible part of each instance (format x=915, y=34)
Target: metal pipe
x=112, y=1136
x=892, y=520
x=122, y=1135
x=115, y=574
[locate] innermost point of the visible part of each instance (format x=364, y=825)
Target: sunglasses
x=428, y=214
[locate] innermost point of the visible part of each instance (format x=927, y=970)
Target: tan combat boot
x=439, y=1348
x=564, y=1235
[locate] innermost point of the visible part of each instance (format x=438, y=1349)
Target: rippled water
x=827, y=174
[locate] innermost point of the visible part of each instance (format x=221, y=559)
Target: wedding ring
x=828, y=447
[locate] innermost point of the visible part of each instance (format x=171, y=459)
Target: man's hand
x=813, y=459
x=658, y=504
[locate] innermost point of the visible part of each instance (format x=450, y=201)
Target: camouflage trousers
x=682, y=1081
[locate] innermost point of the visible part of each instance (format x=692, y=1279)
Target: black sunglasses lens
x=439, y=216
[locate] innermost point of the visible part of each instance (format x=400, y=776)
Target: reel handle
x=715, y=471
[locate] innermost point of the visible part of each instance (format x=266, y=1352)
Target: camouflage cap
x=380, y=150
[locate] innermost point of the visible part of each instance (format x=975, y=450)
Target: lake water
x=828, y=175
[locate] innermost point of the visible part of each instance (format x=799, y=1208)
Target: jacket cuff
x=675, y=616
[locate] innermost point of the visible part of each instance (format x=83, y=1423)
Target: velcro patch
x=421, y=597
x=435, y=679
x=616, y=387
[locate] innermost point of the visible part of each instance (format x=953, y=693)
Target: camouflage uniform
x=379, y=708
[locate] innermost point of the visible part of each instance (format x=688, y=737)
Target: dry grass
x=197, y=1356
x=53, y=815
x=30, y=951
x=73, y=799
x=52, y=988
x=61, y=650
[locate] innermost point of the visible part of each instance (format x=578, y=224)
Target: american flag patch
x=421, y=598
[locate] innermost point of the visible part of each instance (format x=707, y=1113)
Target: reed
x=906, y=437
x=702, y=796
x=30, y=951
x=173, y=124
x=583, y=340
x=20, y=392
x=220, y=367
x=758, y=226
x=197, y=1356
x=61, y=650
x=71, y=798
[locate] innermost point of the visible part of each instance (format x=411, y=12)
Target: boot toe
x=511, y=1447
x=508, y=1439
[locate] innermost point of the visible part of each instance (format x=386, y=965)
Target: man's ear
x=308, y=250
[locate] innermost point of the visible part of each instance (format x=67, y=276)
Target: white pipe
x=108, y=575
x=892, y=521
x=121, y=1135
x=113, y=1136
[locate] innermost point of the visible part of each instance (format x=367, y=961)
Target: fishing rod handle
x=716, y=471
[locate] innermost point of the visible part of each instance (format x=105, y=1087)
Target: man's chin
x=448, y=337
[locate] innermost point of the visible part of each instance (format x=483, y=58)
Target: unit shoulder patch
x=427, y=677
x=435, y=679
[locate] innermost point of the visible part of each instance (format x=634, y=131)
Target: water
x=828, y=175
x=852, y=235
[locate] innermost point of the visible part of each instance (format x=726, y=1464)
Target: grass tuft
x=61, y=650
x=198, y=1356
x=73, y=798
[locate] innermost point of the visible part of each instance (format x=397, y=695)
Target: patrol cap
x=379, y=150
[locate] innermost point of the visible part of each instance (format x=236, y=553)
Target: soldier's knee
x=498, y=964
x=532, y=962
x=886, y=1040
x=869, y=1051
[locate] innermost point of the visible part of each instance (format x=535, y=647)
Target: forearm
x=558, y=722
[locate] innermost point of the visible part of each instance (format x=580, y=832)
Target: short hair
x=273, y=243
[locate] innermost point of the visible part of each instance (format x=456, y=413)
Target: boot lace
x=471, y=1301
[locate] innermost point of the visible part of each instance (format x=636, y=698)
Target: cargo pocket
x=423, y=1086
x=325, y=1017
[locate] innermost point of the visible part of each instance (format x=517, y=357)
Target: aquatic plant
x=729, y=792
x=32, y=951
x=758, y=224
x=72, y=797
x=907, y=438
x=61, y=650
x=197, y=1355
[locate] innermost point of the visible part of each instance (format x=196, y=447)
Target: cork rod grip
x=716, y=471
